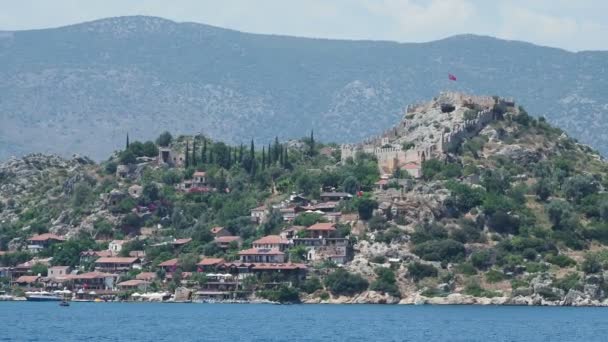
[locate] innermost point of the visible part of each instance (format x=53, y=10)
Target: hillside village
x=468, y=199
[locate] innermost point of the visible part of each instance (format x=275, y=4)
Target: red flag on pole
x=452, y=77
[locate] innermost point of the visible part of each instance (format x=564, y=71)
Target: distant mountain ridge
x=81, y=88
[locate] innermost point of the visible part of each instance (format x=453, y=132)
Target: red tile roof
x=210, y=261
x=271, y=240
x=181, y=241
x=260, y=208
x=382, y=182
x=278, y=266
x=133, y=282
x=27, y=279
x=146, y=276
x=322, y=226
x=326, y=205
x=227, y=239
x=169, y=263
x=216, y=230
x=199, y=174
x=411, y=166
x=46, y=237
x=261, y=251
x=116, y=260
x=90, y=275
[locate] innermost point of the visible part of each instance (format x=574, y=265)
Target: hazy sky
x=569, y=24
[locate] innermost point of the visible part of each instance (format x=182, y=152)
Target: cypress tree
x=127, y=142
x=194, y=152
x=229, y=161
x=263, y=157
x=252, y=158
x=187, y=154
x=312, y=142
x=276, y=148
x=241, y=153
x=286, y=158
x=210, y=156
x=270, y=159
x=204, y=152
x=281, y=156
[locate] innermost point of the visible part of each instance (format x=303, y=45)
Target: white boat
x=42, y=297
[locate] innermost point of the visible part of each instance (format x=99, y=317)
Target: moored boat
x=42, y=297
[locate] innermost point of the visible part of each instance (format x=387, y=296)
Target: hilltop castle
x=428, y=131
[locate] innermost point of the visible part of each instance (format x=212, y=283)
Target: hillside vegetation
x=515, y=214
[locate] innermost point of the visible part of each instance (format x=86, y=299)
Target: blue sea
x=28, y=321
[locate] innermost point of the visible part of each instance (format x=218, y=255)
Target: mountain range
x=82, y=88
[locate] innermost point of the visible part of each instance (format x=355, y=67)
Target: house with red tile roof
x=92, y=281
x=27, y=280
x=209, y=264
x=169, y=266
x=271, y=242
x=321, y=230
x=133, y=284
x=262, y=255
x=224, y=242
x=117, y=264
x=42, y=241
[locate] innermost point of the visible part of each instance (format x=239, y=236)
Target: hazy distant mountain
x=81, y=88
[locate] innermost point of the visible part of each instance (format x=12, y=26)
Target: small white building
x=115, y=246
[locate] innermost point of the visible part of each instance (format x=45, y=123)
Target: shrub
x=474, y=289
x=463, y=197
x=470, y=114
x=592, y=263
x=341, y=282
x=284, y=294
x=311, y=285
x=503, y=223
x=385, y=282
x=466, y=269
x=419, y=271
x=427, y=232
x=569, y=281
x=378, y=259
x=560, y=260
x=579, y=186
x=494, y=276
x=365, y=207
x=482, y=259
x=440, y=250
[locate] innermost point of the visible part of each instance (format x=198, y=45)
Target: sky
x=569, y=24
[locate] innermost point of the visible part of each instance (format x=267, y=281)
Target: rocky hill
x=99, y=80
x=504, y=208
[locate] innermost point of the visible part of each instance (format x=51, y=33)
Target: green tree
x=341, y=282
x=164, y=139
x=39, y=269
x=419, y=271
x=385, y=282
x=350, y=185
x=365, y=207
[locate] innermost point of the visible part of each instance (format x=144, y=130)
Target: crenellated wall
x=391, y=155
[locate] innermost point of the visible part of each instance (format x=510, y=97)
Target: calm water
x=27, y=321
